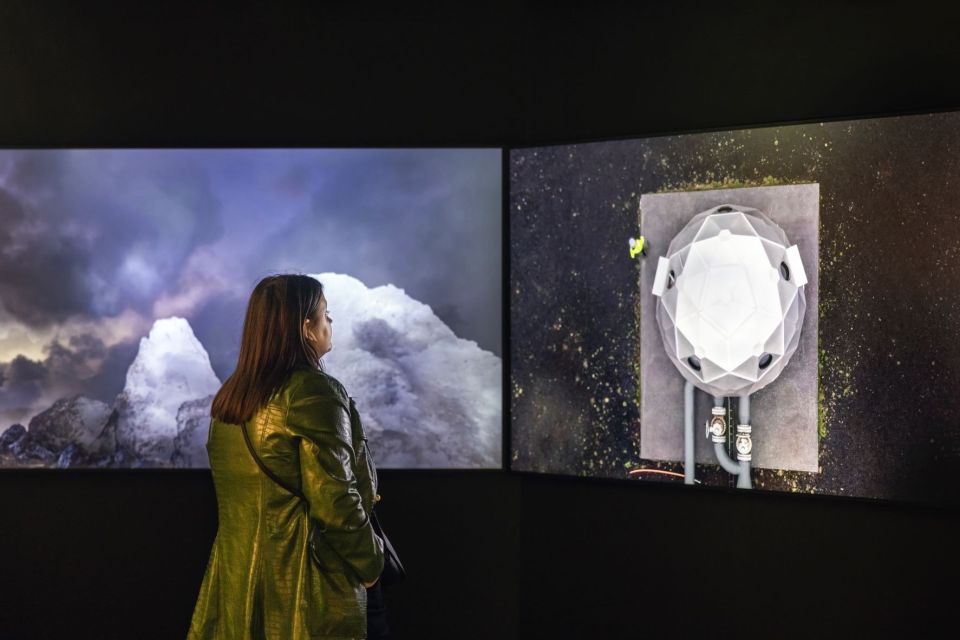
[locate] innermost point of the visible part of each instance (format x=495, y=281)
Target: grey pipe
x=739, y=468
x=730, y=465
x=688, y=459
x=743, y=477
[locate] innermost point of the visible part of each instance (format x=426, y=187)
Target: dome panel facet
x=731, y=301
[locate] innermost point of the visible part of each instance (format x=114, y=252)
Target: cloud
x=93, y=232
x=17, y=338
x=203, y=278
x=427, y=220
x=427, y=398
x=41, y=270
x=83, y=365
x=23, y=371
x=218, y=324
x=23, y=384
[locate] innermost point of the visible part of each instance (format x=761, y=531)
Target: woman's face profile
x=319, y=329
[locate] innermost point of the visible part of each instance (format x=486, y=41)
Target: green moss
x=824, y=306
x=636, y=374
x=727, y=182
x=637, y=331
x=637, y=321
x=821, y=413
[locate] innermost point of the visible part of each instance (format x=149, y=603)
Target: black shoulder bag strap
x=271, y=474
x=393, y=568
x=266, y=470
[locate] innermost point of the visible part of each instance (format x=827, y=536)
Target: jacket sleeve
x=327, y=463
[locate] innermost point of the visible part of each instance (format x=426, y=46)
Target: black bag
x=393, y=571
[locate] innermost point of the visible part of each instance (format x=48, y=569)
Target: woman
x=284, y=566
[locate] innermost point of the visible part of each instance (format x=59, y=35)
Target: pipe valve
x=717, y=425
x=744, y=442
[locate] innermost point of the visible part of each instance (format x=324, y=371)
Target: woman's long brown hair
x=272, y=346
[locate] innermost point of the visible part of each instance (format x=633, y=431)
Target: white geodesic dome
x=731, y=300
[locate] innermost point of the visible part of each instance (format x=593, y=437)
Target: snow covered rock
x=193, y=426
x=76, y=420
x=11, y=435
x=426, y=397
x=28, y=453
x=171, y=368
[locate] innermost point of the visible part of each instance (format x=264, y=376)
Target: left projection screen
x=125, y=275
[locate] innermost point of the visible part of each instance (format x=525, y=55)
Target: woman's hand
x=368, y=585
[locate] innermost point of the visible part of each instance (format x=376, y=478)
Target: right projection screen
x=772, y=308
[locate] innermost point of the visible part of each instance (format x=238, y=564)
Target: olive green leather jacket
x=280, y=568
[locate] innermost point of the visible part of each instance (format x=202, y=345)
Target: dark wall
x=612, y=559
x=109, y=555
x=121, y=554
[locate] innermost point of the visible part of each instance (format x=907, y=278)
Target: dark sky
x=97, y=244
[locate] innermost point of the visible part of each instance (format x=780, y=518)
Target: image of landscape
x=126, y=273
